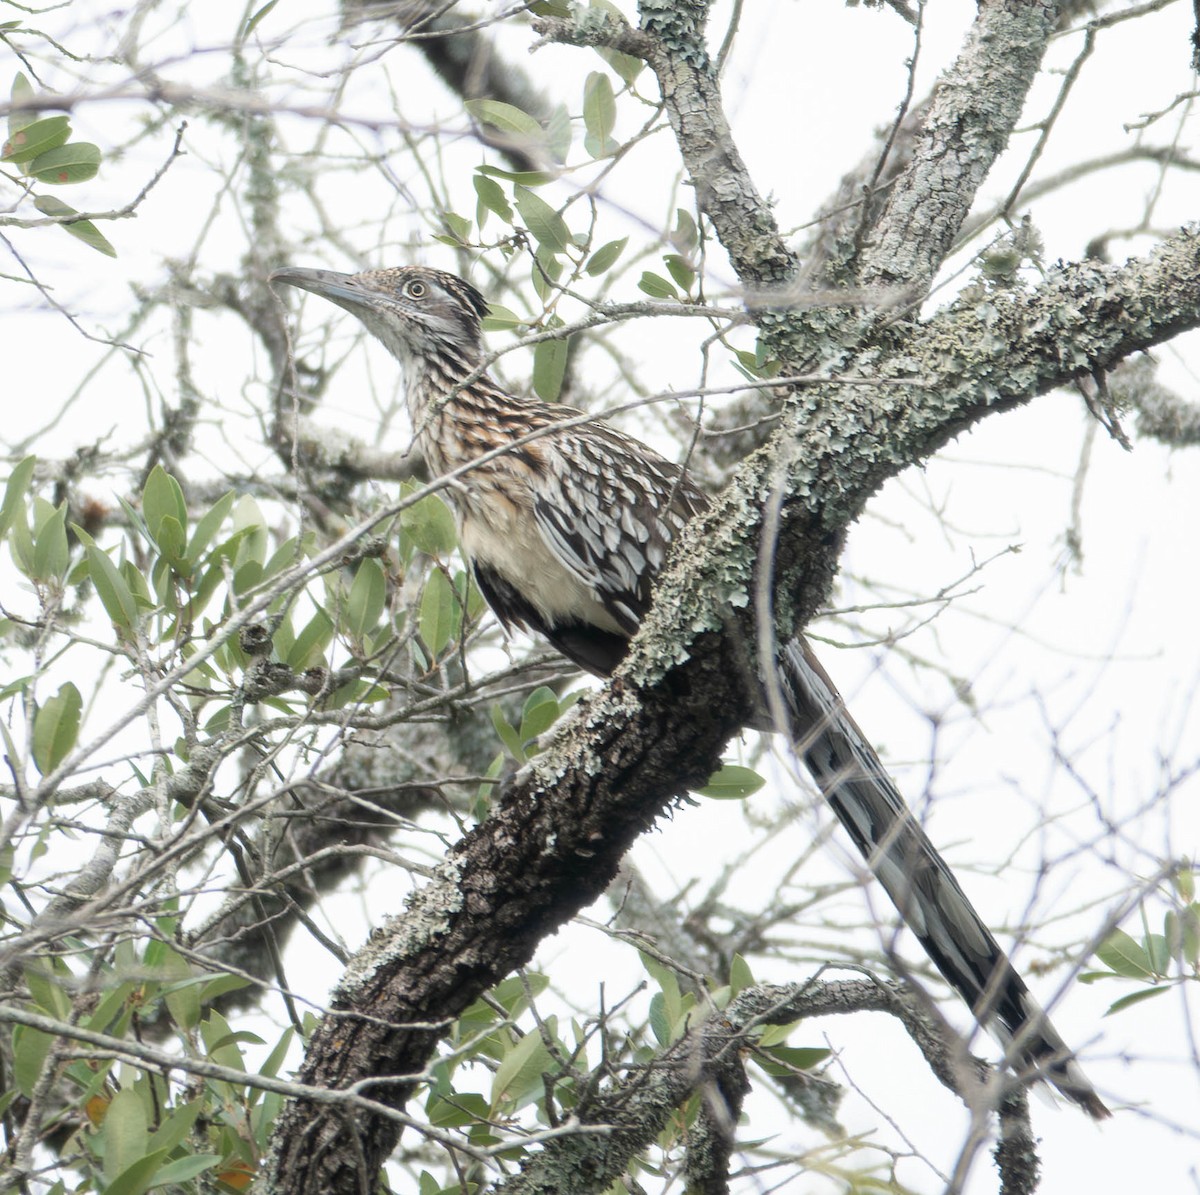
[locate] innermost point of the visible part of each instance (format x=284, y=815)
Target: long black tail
x=917, y=879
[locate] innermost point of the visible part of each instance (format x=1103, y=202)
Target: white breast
x=494, y=534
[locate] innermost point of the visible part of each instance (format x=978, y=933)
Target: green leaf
x=56, y=728
x=81, y=230
x=278, y=1055
x=115, y=595
x=599, y=115
x=1120, y=953
x=182, y=997
x=500, y=318
x=603, y=259
x=559, y=133
x=20, y=542
x=248, y=518
x=21, y=93
x=458, y=226
x=364, y=604
x=625, y=65
x=439, y=612
x=75, y=162
x=685, y=236
x=544, y=271
x=782, y=1061
x=183, y=1169
x=508, y=735
x=507, y=118
x=30, y=1048
x=660, y=1023
x=126, y=1137
x=51, y=554
x=1159, y=953
x=740, y=975
x=527, y=178
x=37, y=137
x=550, y=367
x=308, y=651
x=669, y=987
x=221, y=1042
x=465, y=1108
x=252, y=23
x=777, y=1035
x=14, y=493
x=491, y=199
x=162, y=498
x=429, y=524
x=540, y=712
x=1189, y=934
x=730, y=782
x=213, y=988
x=171, y=539
x=1185, y=881
x=545, y=224
x=680, y=269
x=175, y=1126
x=209, y=524
x=45, y=988
x=1135, y=998
x=656, y=286
x=519, y=1074
x=138, y=1178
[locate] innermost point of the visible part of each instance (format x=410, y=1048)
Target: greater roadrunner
x=566, y=531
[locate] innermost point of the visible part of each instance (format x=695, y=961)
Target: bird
x=567, y=521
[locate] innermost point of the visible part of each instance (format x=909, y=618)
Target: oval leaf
x=56, y=728
x=75, y=162
x=439, y=612
x=604, y=257
x=599, y=115
x=51, y=554
x=547, y=226
x=115, y=594
x=81, y=230
x=15, y=490
x=549, y=368
x=506, y=117
x=38, y=137
x=364, y=605
x=656, y=286
x=732, y=783
x=430, y=526
x=1120, y=953
x=21, y=93
x=491, y=199
x=162, y=498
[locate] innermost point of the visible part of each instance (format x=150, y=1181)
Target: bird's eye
x=415, y=289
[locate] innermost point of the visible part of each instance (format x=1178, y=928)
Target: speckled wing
x=608, y=507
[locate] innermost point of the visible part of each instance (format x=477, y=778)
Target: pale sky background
x=1102, y=657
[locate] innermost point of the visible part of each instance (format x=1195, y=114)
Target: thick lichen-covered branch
x=974, y=110
x=836, y=444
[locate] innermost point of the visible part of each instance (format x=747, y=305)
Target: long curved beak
x=346, y=290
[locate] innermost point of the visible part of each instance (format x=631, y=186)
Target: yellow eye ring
x=416, y=289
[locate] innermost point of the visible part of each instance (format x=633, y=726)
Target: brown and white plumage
x=566, y=533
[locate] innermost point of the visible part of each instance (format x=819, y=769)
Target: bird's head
x=415, y=311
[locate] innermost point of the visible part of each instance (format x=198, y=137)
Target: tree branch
x=974, y=111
